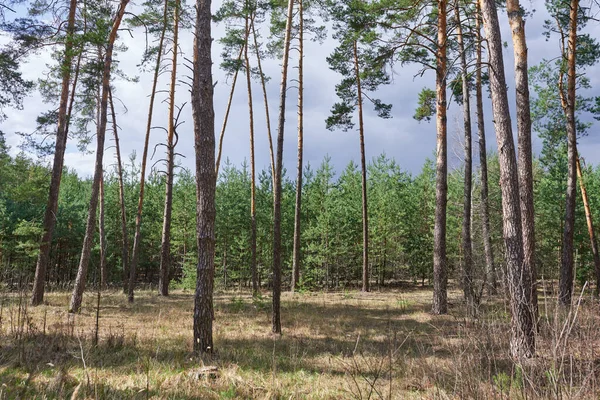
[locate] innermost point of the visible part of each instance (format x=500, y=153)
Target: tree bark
x=59, y=156
x=440, y=273
x=165, y=248
x=204, y=138
x=363, y=170
x=124, y=234
x=276, y=320
x=77, y=295
x=467, y=251
x=253, y=270
x=590, y=225
x=525, y=162
x=491, y=278
x=298, y=208
x=522, y=343
x=102, y=234
x=263, y=84
x=137, y=236
x=568, y=105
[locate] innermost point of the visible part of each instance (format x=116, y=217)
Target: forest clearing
x=337, y=345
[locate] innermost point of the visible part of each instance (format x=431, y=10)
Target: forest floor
x=339, y=345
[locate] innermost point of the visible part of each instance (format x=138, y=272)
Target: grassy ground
x=335, y=345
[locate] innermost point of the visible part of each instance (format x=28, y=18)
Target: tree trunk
x=276, y=322
x=102, y=234
x=491, y=277
x=298, y=209
x=440, y=273
x=525, y=162
x=522, y=343
x=77, y=295
x=59, y=156
x=568, y=104
x=265, y=100
x=363, y=168
x=137, y=236
x=252, y=164
x=124, y=234
x=228, y=108
x=165, y=248
x=590, y=225
x=468, y=177
x=204, y=138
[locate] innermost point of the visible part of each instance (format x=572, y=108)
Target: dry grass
x=379, y=345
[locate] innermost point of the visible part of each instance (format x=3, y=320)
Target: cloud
x=401, y=137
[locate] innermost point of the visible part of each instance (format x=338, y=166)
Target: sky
x=402, y=138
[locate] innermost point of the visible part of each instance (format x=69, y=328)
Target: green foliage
x=426, y=105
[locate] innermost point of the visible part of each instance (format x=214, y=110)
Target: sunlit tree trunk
x=468, y=177
x=124, y=234
x=590, y=225
x=440, y=273
x=515, y=18
x=276, y=318
x=137, y=236
x=57, y=166
x=102, y=234
x=298, y=208
x=522, y=343
x=77, y=295
x=568, y=103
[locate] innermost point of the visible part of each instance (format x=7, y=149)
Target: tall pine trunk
x=253, y=270
x=440, y=273
x=299, y=166
x=276, y=318
x=59, y=156
x=165, y=248
x=124, y=234
x=490, y=268
x=568, y=105
x=263, y=85
x=517, y=25
x=204, y=143
x=77, y=295
x=522, y=343
x=467, y=251
x=363, y=170
x=137, y=236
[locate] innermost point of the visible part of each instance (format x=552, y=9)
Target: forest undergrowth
x=351, y=345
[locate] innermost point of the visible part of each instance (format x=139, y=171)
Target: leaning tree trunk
x=124, y=234
x=59, y=157
x=440, y=273
x=253, y=269
x=568, y=105
x=469, y=292
x=263, y=84
x=137, y=236
x=204, y=141
x=491, y=278
x=276, y=320
x=298, y=214
x=522, y=343
x=165, y=248
x=363, y=168
x=590, y=225
x=525, y=162
x=102, y=234
x=77, y=296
